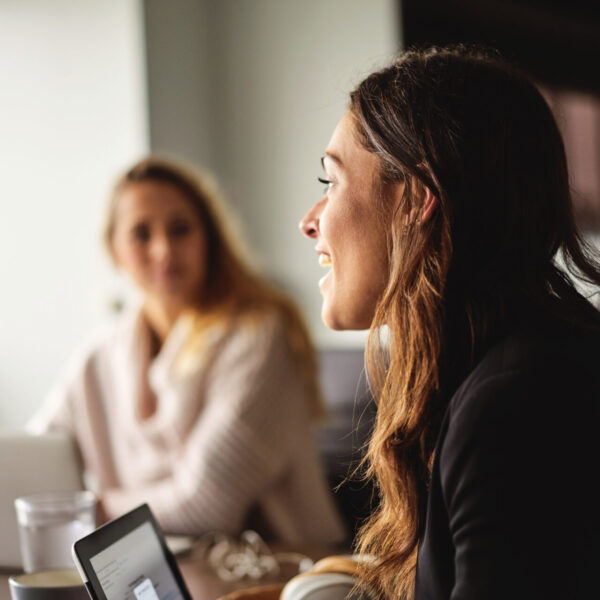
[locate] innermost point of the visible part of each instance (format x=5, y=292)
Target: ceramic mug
x=60, y=584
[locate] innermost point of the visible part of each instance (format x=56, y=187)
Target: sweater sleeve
x=255, y=403
x=515, y=473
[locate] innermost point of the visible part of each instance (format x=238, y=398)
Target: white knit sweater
x=230, y=435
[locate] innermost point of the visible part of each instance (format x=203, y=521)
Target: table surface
x=202, y=581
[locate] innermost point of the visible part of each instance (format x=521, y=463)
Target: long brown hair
x=481, y=138
x=233, y=289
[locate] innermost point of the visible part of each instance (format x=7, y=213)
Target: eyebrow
x=336, y=159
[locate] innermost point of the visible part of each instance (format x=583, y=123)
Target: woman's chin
x=332, y=317
x=345, y=317
x=332, y=324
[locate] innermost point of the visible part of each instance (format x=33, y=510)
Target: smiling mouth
x=325, y=260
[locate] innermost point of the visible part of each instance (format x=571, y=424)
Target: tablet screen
x=134, y=568
x=128, y=560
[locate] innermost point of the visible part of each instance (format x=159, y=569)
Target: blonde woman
x=200, y=400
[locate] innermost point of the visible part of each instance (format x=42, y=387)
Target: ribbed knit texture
x=229, y=435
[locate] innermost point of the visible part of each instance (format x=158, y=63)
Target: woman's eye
x=325, y=182
x=141, y=233
x=179, y=228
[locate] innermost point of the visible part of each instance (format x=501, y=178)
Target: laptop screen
x=32, y=464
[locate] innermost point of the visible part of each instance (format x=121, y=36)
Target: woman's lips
x=167, y=274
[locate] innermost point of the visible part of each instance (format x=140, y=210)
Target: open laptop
x=28, y=465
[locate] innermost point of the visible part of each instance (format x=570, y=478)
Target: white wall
x=265, y=104
x=249, y=88
x=72, y=114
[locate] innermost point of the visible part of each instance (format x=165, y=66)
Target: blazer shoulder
x=535, y=367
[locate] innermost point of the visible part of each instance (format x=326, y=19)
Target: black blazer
x=513, y=507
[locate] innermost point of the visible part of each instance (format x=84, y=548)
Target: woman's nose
x=309, y=225
x=160, y=247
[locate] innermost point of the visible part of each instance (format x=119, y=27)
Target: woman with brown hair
x=200, y=400
x=447, y=223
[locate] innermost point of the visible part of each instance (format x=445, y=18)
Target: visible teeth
x=324, y=260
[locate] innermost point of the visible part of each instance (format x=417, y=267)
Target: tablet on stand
x=128, y=558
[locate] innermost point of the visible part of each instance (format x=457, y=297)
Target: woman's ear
x=430, y=203
x=423, y=210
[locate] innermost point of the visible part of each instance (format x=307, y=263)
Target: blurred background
x=248, y=89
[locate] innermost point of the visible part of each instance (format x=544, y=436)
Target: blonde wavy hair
x=233, y=289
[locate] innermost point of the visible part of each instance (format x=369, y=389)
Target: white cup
x=49, y=524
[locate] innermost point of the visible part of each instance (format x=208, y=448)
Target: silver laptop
x=28, y=465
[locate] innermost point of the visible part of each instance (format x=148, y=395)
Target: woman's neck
x=161, y=318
